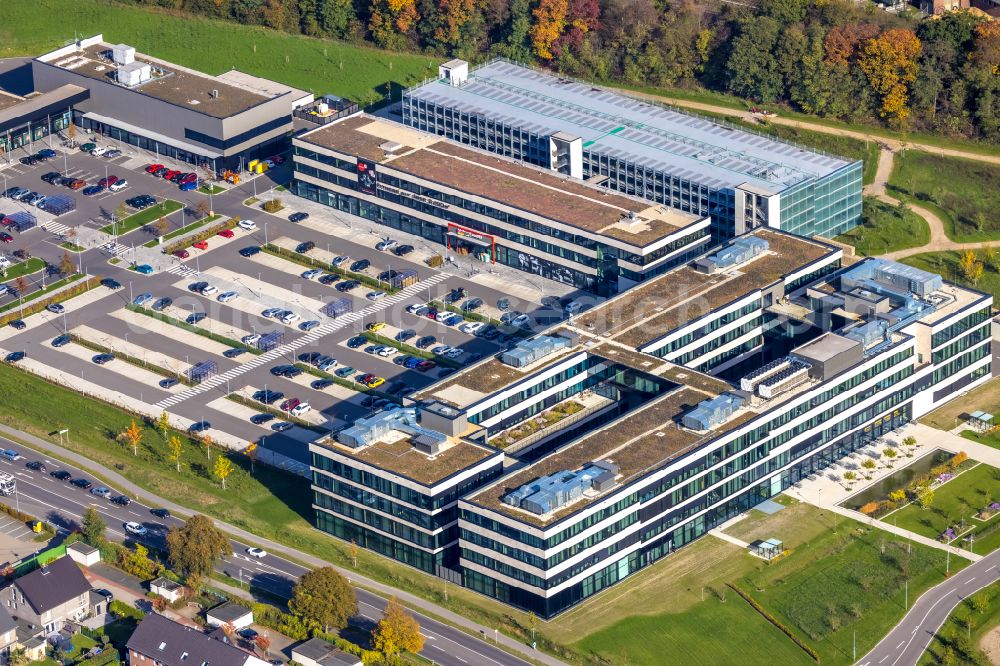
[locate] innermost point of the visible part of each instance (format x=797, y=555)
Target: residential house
x=49, y=596
x=317, y=652
x=229, y=613
x=166, y=588
x=159, y=641
x=8, y=632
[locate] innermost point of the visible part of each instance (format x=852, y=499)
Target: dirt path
x=990, y=644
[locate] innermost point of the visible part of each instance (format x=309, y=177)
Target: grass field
x=954, y=500
x=320, y=66
x=188, y=228
x=967, y=196
x=20, y=269
x=984, y=398
x=946, y=265
x=962, y=636
x=989, y=438
x=143, y=217
x=886, y=229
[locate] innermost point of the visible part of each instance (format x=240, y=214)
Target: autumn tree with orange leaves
x=453, y=15
x=890, y=63
x=392, y=21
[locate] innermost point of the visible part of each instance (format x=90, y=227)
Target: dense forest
x=834, y=58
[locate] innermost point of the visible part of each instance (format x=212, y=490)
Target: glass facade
x=36, y=130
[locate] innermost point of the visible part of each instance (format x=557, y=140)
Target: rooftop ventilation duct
x=713, y=412
x=553, y=491
x=738, y=252
x=529, y=351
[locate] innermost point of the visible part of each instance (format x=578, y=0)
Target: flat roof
x=614, y=124
x=176, y=85
x=534, y=190
x=8, y=100
x=399, y=456
x=643, y=439
x=826, y=347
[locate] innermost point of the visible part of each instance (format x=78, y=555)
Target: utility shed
x=829, y=355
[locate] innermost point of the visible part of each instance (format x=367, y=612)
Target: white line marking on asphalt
x=901, y=643
x=883, y=659
x=970, y=580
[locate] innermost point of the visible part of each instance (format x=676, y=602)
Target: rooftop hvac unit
x=553, y=491
x=529, y=351
x=869, y=333
x=123, y=54
x=738, y=252
x=133, y=74
x=784, y=380
x=710, y=413
x=749, y=382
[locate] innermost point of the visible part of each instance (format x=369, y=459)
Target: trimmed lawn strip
x=309, y=262
x=411, y=350
x=284, y=416
x=27, y=267
x=236, y=344
x=985, y=398
x=131, y=360
x=957, y=633
x=72, y=247
x=989, y=438
x=886, y=228
x=211, y=189
x=954, y=500
x=969, y=202
x=32, y=305
x=143, y=217
x=271, y=503
x=183, y=230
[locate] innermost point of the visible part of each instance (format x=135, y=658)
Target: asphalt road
x=908, y=641
x=63, y=504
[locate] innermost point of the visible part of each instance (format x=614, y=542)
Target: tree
x=121, y=212
x=392, y=20
x=397, y=631
x=22, y=285
x=550, y=21
x=977, y=273
x=93, y=527
x=980, y=602
x=897, y=495
x=19, y=656
x=354, y=553
x=137, y=562
x=223, y=468
x=925, y=498
x=752, y=69
x=176, y=451
x=133, y=434
x=337, y=18
x=193, y=548
x=890, y=63
x=163, y=423
x=71, y=133
x=207, y=441
x=202, y=208
x=161, y=226
x=66, y=265
x=262, y=643
x=967, y=264
x=323, y=595
x=251, y=453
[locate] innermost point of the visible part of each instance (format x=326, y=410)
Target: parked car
x=375, y=295
x=403, y=250
x=281, y=426
x=153, y=168
x=111, y=283
x=107, y=181
x=169, y=382
x=387, y=244
x=344, y=372
x=143, y=298
x=227, y=296
x=17, y=324
x=14, y=357
x=340, y=260
x=182, y=254
x=249, y=251
x=261, y=419
x=145, y=269
x=162, y=304
x=298, y=217
x=199, y=426
x=61, y=341
x=6, y=237
x=226, y=233
x=247, y=225
x=360, y=265
x=118, y=186
x=102, y=359
x=201, y=245
x=51, y=177
x=357, y=341
x=304, y=247
x=347, y=285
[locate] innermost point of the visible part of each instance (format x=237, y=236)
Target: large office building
x=214, y=121
x=633, y=428
x=740, y=179
x=492, y=208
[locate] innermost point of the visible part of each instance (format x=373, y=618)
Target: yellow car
x=375, y=383
x=375, y=326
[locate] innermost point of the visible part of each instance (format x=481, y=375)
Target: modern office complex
x=492, y=208
x=635, y=427
x=26, y=115
x=214, y=121
x=742, y=180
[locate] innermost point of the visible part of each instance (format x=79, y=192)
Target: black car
x=62, y=341
x=234, y=352
x=52, y=177
x=309, y=357
x=472, y=304
x=426, y=341
x=347, y=285
x=160, y=513
x=249, y=251
x=298, y=217
x=321, y=384
x=197, y=286
x=405, y=335
x=268, y=396
x=82, y=483
x=162, y=304
x=260, y=419
x=14, y=357
x=304, y=247
x=247, y=633
x=36, y=465
x=281, y=370
x=108, y=597
x=169, y=382
x=17, y=324
x=61, y=474
x=360, y=265
x=455, y=295
x=121, y=500
x=30, y=160
x=292, y=372
x=101, y=359
x=357, y=341
x=111, y=284
x=403, y=250
x=385, y=276
x=199, y=426
x=195, y=317
x=329, y=278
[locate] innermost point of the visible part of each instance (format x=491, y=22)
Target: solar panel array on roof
x=652, y=136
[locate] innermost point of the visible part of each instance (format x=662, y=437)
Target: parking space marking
x=310, y=337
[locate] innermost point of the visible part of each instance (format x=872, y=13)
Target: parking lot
x=150, y=349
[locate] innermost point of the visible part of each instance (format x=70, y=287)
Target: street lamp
x=64, y=431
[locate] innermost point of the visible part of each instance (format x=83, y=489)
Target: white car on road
x=135, y=528
x=256, y=552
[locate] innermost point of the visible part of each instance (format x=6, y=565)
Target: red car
x=424, y=366
x=227, y=233
x=290, y=404
x=77, y=184
x=188, y=178
x=277, y=159
x=152, y=168
x=108, y=182
x=6, y=221
x=6, y=237
x=182, y=254
x=170, y=175
x=364, y=379
x=201, y=245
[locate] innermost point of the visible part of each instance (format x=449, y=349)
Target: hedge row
x=192, y=328
x=411, y=350
x=205, y=234
x=309, y=262
x=132, y=360
x=26, y=518
x=39, y=305
x=776, y=622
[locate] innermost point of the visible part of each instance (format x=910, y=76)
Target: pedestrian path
x=313, y=335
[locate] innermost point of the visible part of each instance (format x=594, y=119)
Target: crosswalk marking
x=115, y=249
x=54, y=227
x=181, y=269
x=313, y=335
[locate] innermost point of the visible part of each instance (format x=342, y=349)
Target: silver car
x=227, y=296
x=101, y=491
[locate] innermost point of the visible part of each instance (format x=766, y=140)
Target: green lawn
x=72, y=247
x=143, y=217
x=984, y=398
x=957, y=499
x=183, y=230
x=989, y=438
x=321, y=66
x=20, y=269
x=35, y=295
x=885, y=229
x=211, y=189
x=963, y=637
x=946, y=265
x=964, y=191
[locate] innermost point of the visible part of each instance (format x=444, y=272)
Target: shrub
x=123, y=611
x=204, y=234
x=435, y=260
x=40, y=304
x=869, y=508
x=958, y=459
x=272, y=206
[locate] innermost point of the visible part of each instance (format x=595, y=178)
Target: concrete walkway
x=126, y=486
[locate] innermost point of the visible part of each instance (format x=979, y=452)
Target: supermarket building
x=492, y=208
x=741, y=179
x=668, y=409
